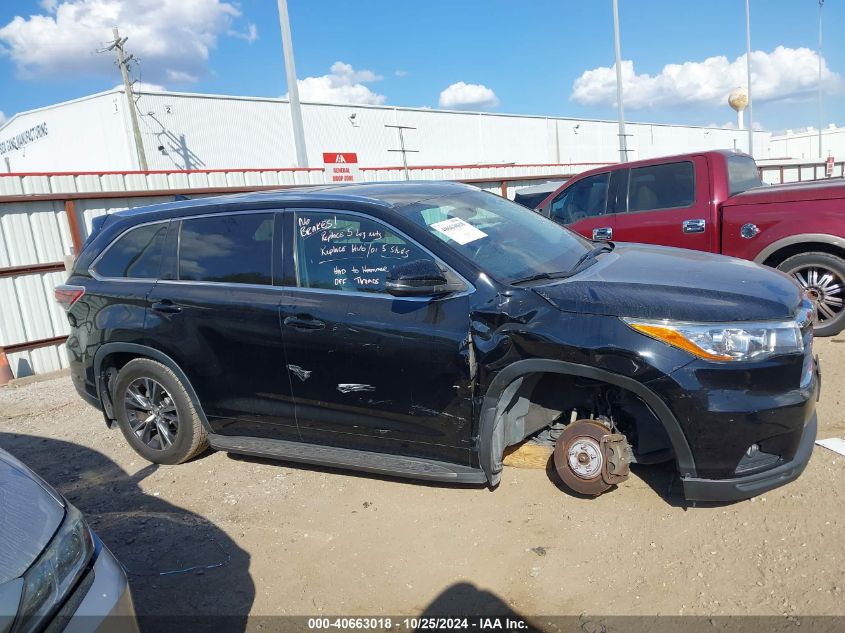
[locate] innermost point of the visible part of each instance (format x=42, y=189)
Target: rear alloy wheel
x=156, y=414
x=822, y=276
x=151, y=413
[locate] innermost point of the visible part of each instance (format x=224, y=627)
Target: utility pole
x=404, y=151
x=821, y=119
x=748, y=71
x=123, y=64
x=623, y=140
x=293, y=87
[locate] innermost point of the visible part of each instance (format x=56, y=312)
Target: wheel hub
x=824, y=288
x=585, y=458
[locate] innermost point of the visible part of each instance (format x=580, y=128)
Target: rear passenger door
x=215, y=312
x=668, y=204
x=583, y=207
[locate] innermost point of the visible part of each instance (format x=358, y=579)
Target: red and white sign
x=828, y=167
x=340, y=166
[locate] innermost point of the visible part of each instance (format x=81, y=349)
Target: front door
x=669, y=204
x=583, y=207
x=369, y=370
x=218, y=319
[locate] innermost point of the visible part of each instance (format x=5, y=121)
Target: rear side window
x=668, y=186
x=742, y=174
x=586, y=198
x=227, y=248
x=134, y=255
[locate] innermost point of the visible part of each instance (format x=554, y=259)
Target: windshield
x=506, y=240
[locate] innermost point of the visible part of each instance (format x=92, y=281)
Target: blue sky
x=535, y=56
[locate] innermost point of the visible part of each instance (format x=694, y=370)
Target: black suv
x=419, y=329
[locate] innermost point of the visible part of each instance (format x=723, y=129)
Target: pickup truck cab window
x=668, y=186
x=227, y=248
x=742, y=174
x=341, y=251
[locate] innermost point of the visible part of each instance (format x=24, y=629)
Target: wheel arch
x=781, y=250
x=493, y=435
x=134, y=350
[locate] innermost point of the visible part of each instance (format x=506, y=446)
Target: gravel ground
x=236, y=535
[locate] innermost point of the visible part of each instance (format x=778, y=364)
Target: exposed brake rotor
x=590, y=459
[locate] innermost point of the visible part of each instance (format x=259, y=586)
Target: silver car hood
x=30, y=514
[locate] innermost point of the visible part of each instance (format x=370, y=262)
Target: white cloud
x=783, y=74
x=139, y=86
x=2, y=117
x=171, y=38
x=401, y=73
x=464, y=96
x=343, y=84
x=731, y=125
x=249, y=35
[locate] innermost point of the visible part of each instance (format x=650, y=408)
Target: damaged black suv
x=419, y=329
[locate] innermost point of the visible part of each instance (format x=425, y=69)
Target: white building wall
x=84, y=134
x=190, y=131
x=804, y=145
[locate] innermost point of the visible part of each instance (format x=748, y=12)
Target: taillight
x=66, y=296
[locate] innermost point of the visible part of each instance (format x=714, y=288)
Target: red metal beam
x=30, y=269
x=73, y=224
x=29, y=345
x=164, y=193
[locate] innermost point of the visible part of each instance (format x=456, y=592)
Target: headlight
x=55, y=573
x=726, y=341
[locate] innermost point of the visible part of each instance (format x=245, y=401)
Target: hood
x=656, y=282
x=30, y=514
x=827, y=189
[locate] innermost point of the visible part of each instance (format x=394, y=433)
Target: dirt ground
x=236, y=535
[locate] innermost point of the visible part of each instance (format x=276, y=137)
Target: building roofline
x=58, y=105
x=199, y=95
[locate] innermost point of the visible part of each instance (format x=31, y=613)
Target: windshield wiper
x=604, y=247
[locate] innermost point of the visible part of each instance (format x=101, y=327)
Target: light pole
x=293, y=87
x=748, y=70
x=821, y=5
x=623, y=142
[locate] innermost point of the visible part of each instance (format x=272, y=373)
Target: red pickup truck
x=715, y=201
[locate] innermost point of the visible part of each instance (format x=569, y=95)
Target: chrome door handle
x=603, y=233
x=693, y=226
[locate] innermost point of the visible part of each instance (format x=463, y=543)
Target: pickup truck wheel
x=822, y=276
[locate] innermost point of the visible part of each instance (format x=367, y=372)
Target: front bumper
x=696, y=489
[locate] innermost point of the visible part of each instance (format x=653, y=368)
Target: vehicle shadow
x=185, y=573
x=463, y=599
x=662, y=478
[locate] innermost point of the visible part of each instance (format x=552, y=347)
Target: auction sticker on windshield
x=458, y=230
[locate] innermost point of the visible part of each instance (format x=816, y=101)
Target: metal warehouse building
x=195, y=131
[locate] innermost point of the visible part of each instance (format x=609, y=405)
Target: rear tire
x=822, y=276
x=156, y=414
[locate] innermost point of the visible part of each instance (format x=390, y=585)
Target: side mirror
x=419, y=278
